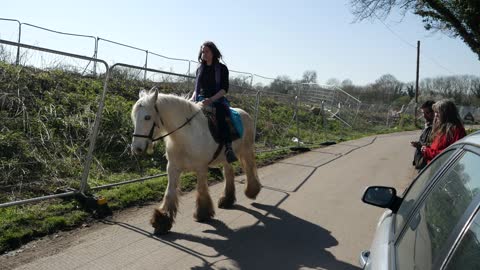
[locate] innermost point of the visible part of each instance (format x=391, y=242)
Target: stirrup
x=230, y=155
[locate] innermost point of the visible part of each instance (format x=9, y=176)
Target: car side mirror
x=384, y=197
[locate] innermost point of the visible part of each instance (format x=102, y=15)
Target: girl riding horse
x=211, y=85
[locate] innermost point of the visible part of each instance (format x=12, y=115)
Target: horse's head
x=145, y=121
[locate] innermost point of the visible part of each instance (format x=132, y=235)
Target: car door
x=466, y=253
x=429, y=231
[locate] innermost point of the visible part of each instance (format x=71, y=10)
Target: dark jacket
x=211, y=79
x=419, y=161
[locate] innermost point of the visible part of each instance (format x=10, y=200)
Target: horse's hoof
x=252, y=192
x=226, y=202
x=161, y=231
x=161, y=222
x=203, y=215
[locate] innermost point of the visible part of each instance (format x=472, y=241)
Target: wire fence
x=36, y=121
x=94, y=47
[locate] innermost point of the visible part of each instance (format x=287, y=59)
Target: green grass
x=19, y=225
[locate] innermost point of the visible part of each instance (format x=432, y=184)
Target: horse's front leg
x=204, y=211
x=164, y=216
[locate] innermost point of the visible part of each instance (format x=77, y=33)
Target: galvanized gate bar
x=150, y=70
x=129, y=181
x=37, y=199
x=61, y=33
x=22, y=45
x=93, y=134
x=17, y=60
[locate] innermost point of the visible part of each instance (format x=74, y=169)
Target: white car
x=435, y=224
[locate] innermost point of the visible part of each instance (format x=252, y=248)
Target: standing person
x=418, y=160
x=211, y=85
x=447, y=128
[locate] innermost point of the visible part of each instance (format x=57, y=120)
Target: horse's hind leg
x=164, y=216
x=204, y=211
x=227, y=199
x=249, y=166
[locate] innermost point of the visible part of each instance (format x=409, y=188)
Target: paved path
x=307, y=216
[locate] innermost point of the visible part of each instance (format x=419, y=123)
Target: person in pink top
x=447, y=128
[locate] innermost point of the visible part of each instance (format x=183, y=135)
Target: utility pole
x=416, y=82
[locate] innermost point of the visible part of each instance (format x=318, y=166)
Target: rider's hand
x=207, y=102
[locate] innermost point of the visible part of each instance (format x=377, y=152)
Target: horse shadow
x=278, y=240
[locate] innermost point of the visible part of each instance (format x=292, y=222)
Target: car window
x=467, y=254
x=430, y=226
x=416, y=189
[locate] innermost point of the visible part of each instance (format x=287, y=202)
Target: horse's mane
x=178, y=102
x=169, y=101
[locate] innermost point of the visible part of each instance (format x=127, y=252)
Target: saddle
x=210, y=113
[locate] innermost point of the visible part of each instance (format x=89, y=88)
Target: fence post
x=17, y=61
x=93, y=135
x=257, y=102
x=356, y=114
x=388, y=116
x=324, y=123
x=95, y=53
x=146, y=65
x=296, y=116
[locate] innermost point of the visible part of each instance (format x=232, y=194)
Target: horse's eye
x=147, y=117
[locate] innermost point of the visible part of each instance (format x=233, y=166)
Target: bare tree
x=475, y=88
x=309, y=76
x=347, y=83
x=389, y=87
x=411, y=90
x=282, y=84
x=333, y=81
x=456, y=18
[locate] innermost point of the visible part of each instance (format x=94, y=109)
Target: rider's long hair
x=217, y=55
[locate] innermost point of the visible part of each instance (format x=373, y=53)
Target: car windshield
x=416, y=189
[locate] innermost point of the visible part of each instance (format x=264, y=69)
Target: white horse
x=189, y=147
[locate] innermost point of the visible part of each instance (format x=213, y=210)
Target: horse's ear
x=155, y=95
x=152, y=90
x=142, y=93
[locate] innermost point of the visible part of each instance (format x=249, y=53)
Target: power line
x=413, y=46
x=394, y=33
x=438, y=64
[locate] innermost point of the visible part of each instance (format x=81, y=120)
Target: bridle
x=150, y=134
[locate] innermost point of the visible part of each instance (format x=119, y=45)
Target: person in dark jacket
x=211, y=86
x=418, y=160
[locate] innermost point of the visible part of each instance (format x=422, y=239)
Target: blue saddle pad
x=236, y=121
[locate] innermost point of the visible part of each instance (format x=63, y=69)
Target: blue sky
x=269, y=38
